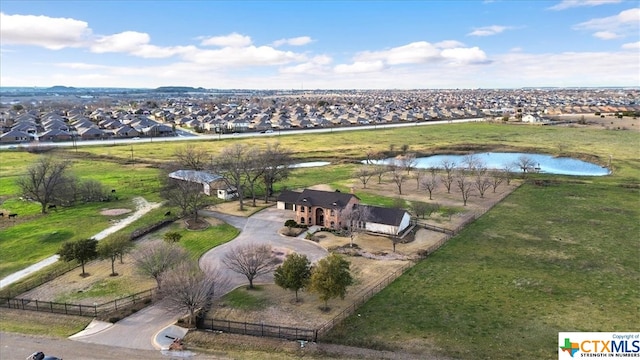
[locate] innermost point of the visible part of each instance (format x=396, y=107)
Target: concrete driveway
x=140, y=330
x=260, y=228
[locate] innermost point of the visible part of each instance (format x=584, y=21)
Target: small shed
x=211, y=183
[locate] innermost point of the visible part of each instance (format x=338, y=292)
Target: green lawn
x=547, y=259
x=199, y=242
x=36, y=236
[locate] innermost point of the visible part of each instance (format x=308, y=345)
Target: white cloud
x=318, y=64
x=423, y=52
x=243, y=56
x=126, y=42
x=81, y=66
x=488, y=30
x=606, y=35
x=623, y=24
x=567, y=4
x=359, y=67
x=297, y=41
x=231, y=40
x=44, y=31
x=412, y=53
x=465, y=55
x=447, y=44
x=631, y=46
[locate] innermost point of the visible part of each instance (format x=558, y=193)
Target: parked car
x=39, y=355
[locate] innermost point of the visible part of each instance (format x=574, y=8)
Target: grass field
x=562, y=257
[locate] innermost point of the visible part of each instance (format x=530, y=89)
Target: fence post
x=37, y=306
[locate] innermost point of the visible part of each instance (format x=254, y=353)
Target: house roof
x=201, y=177
x=324, y=199
x=386, y=216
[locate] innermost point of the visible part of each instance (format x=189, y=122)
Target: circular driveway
x=261, y=228
x=139, y=330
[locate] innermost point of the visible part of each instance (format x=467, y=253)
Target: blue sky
x=320, y=44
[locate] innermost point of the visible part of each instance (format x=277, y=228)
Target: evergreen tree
x=294, y=273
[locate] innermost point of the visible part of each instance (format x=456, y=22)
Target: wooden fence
x=77, y=309
x=361, y=299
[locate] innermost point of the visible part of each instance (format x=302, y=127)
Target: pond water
x=310, y=164
x=543, y=163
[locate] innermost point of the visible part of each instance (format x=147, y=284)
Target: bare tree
x=187, y=288
x=430, y=182
x=408, y=162
x=251, y=260
x=447, y=179
x=43, y=179
x=496, y=179
x=232, y=163
x=464, y=185
x=525, y=163
x=471, y=163
x=507, y=171
x=253, y=170
x=355, y=219
x=380, y=169
x=364, y=174
x=156, y=257
x=276, y=167
x=482, y=183
x=186, y=194
x=192, y=158
x=398, y=176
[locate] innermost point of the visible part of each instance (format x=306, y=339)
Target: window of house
x=333, y=212
x=301, y=220
x=302, y=208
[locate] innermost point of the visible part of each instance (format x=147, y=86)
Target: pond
x=310, y=164
x=496, y=160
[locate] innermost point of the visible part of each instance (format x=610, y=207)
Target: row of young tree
x=50, y=182
x=471, y=176
x=250, y=170
x=186, y=287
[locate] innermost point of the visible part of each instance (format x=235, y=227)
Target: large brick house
x=329, y=208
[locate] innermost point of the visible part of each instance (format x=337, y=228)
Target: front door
x=319, y=217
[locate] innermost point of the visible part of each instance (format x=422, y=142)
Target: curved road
x=139, y=330
x=260, y=228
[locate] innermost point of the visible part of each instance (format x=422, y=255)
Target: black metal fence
x=254, y=329
x=77, y=309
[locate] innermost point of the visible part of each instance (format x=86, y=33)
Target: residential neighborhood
x=47, y=116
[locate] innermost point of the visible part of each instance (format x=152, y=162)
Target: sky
x=306, y=45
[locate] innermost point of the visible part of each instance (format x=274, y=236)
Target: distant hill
x=59, y=88
x=174, y=89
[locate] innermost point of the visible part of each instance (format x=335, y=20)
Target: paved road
x=139, y=330
x=260, y=228
x=19, y=346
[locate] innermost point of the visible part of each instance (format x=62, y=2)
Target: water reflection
x=496, y=160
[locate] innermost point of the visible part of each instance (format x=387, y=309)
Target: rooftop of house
x=324, y=199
